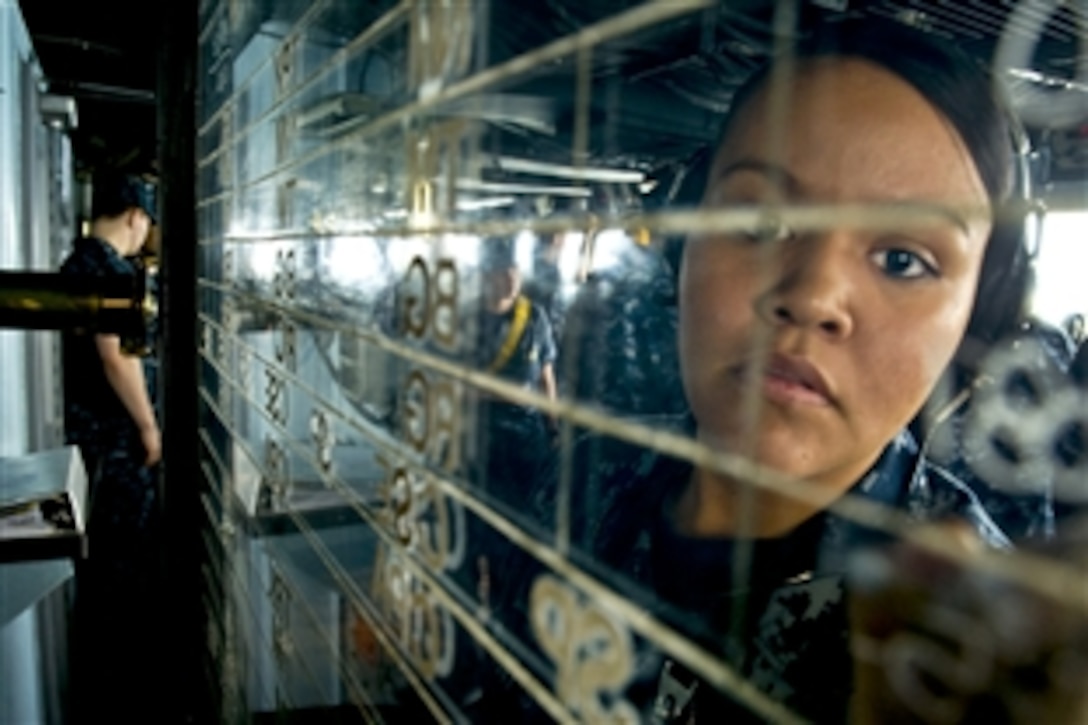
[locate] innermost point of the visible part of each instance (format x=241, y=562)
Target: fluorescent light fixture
x=496, y=187
x=491, y=202
x=561, y=171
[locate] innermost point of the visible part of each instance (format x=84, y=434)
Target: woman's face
x=857, y=325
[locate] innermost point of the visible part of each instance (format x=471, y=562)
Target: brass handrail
x=121, y=305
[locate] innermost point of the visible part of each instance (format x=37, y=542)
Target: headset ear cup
x=1001, y=301
x=1004, y=284
x=1006, y=279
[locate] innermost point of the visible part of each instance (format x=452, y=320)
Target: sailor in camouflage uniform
x=108, y=414
x=515, y=341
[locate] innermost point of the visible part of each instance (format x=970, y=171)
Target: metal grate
x=404, y=517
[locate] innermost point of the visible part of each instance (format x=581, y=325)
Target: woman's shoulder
x=904, y=479
x=938, y=494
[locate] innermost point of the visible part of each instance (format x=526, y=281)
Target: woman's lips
x=792, y=380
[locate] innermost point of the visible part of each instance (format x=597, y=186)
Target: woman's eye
x=904, y=264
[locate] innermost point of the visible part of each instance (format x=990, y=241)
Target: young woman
x=809, y=349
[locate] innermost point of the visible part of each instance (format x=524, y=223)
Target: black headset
x=1008, y=268
x=1006, y=283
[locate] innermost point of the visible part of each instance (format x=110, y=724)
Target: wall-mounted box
x=43, y=505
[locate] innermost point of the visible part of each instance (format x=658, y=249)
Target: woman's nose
x=811, y=287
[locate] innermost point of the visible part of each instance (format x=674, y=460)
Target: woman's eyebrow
x=776, y=174
x=783, y=179
x=948, y=214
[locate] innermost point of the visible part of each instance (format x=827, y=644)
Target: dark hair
x=114, y=193
x=962, y=90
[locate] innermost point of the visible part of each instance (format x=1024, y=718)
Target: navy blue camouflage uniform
x=534, y=350
x=116, y=584
x=95, y=419
x=785, y=629
x=513, y=438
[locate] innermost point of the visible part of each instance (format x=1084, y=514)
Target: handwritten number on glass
x=593, y=653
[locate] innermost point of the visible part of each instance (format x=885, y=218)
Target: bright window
x=1062, y=268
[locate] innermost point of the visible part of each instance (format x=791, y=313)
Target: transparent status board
x=666, y=362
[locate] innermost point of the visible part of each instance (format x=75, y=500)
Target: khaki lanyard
x=522, y=308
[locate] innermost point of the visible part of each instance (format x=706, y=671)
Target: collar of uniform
x=104, y=251
x=897, y=472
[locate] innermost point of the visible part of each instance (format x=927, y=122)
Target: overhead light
x=561, y=171
x=500, y=187
x=492, y=202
